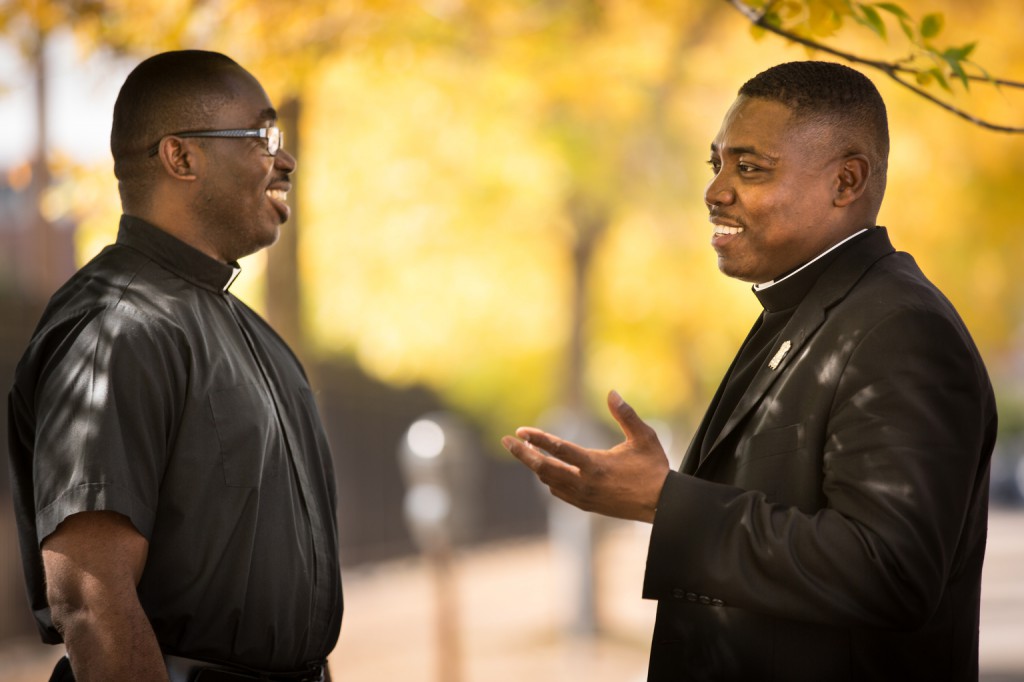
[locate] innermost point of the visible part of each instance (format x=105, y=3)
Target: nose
x=283, y=160
x=719, y=191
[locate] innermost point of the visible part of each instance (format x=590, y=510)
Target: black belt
x=191, y=670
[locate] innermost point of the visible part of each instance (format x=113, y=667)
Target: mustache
x=715, y=214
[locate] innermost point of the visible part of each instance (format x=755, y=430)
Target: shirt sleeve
x=106, y=407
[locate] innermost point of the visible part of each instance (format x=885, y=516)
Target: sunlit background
x=498, y=217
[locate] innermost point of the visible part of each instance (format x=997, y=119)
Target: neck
x=780, y=278
x=178, y=224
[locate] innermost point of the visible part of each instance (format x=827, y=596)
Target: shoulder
x=887, y=311
x=123, y=286
x=896, y=317
x=113, y=308
x=895, y=287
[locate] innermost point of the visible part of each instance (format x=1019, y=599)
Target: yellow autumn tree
x=503, y=201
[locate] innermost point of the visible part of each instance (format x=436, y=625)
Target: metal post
x=440, y=476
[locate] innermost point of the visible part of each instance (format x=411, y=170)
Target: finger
x=629, y=421
x=548, y=469
x=562, y=449
x=525, y=454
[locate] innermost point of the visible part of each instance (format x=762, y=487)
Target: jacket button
x=717, y=602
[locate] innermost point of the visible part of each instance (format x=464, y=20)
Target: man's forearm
x=94, y=561
x=111, y=647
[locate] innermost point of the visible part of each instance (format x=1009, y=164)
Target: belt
x=181, y=669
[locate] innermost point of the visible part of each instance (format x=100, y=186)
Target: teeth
x=724, y=229
x=278, y=194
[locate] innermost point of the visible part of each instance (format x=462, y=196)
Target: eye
x=747, y=168
x=715, y=164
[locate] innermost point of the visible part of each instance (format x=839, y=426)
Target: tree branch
x=892, y=70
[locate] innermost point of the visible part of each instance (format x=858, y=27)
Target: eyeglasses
x=273, y=136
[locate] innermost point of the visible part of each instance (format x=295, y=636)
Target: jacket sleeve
x=910, y=424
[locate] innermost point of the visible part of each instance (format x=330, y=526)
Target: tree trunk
x=283, y=295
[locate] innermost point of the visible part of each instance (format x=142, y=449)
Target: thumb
x=629, y=421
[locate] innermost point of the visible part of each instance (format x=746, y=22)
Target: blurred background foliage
x=502, y=201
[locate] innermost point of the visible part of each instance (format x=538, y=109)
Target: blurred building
x=34, y=257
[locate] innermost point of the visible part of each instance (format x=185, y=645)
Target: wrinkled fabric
x=834, y=527
x=151, y=391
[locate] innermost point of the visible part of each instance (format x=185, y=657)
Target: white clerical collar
x=771, y=283
x=235, y=272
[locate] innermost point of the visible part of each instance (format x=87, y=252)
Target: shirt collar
x=787, y=291
x=175, y=255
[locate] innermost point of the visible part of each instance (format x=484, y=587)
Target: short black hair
x=166, y=93
x=837, y=96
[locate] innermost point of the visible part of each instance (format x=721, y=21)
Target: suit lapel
x=833, y=285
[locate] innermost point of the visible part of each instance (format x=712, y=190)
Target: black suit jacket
x=836, y=528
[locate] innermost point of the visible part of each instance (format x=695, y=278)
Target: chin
x=265, y=238
x=728, y=270
x=731, y=270
x=256, y=245
x=272, y=238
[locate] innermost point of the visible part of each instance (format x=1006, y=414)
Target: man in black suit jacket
x=829, y=518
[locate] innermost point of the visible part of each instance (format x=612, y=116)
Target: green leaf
x=962, y=52
x=773, y=19
x=908, y=30
x=952, y=57
x=873, y=20
x=924, y=77
x=894, y=9
x=941, y=78
x=932, y=25
x=986, y=75
x=906, y=22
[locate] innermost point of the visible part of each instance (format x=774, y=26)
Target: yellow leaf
x=823, y=21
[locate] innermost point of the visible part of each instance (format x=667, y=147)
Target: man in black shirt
x=829, y=518
x=174, y=488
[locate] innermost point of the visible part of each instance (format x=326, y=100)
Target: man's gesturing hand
x=624, y=481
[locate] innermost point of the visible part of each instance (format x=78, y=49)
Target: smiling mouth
x=277, y=194
x=724, y=224
x=726, y=229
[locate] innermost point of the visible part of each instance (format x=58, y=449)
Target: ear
x=851, y=180
x=178, y=157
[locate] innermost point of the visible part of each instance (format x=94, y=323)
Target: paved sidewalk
x=1002, y=598
x=512, y=623
x=512, y=617
x=512, y=608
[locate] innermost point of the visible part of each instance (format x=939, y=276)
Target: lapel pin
x=778, y=357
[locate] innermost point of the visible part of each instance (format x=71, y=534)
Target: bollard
x=440, y=474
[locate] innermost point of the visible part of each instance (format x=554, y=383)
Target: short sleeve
x=106, y=407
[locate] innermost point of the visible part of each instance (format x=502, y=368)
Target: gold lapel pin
x=777, y=358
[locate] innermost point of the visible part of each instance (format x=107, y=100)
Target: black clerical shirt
x=149, y=390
